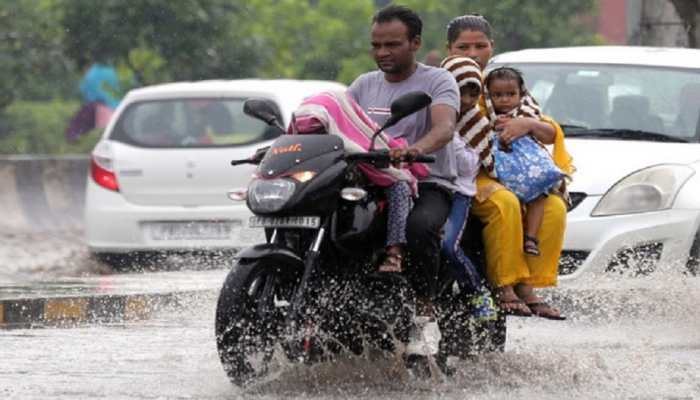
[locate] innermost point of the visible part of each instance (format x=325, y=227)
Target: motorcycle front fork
x=298, y=301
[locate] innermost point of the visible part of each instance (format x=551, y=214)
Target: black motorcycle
x=311, y=291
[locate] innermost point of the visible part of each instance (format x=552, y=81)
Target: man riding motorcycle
x=395, y=39
x=313, y=289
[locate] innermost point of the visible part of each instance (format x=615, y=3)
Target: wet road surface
x=642, y=348
x=625, y=339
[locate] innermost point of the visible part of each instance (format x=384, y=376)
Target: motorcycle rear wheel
x=250, y=315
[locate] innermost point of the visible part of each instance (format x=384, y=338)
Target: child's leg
x=533, y=221
x=533, y=216
x=399, y=203
x=465, y=272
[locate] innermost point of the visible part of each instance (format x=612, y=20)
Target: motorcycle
x=311, y=291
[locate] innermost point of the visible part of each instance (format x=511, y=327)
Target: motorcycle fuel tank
x=295, y=153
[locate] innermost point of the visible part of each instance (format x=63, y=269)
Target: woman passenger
x=513, y=274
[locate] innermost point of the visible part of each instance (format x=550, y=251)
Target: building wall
x=640, y=22
x=612, y=21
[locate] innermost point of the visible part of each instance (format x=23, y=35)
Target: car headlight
x=266, y=196
x=650, y=189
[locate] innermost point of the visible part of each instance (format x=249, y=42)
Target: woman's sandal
x=515, y=307
x=544, y=310
x=392, y=263
x=531, y=246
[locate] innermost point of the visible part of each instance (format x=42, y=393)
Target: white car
x=160, y=174
x=631, y=118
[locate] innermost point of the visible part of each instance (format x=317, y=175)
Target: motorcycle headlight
x=266, y=196
x=651, y=189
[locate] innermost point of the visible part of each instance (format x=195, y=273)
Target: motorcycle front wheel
x=250, y=315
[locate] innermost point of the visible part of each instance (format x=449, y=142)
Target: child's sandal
x=531, y=246
x=392, y=263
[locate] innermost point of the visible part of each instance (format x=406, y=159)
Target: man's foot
x=482, y=307
x=424, y=338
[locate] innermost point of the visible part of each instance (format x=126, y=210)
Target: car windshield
x=618, y=101
x=190, y=122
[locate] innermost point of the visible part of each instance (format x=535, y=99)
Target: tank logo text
x=292, y=148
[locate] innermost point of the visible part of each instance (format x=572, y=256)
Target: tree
x=164, y=40
x=326, y=39
x=516, y=24
x=32, y=64
x=689, y=11
x=160, y=40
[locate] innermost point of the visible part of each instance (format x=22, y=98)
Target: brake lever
x=256, y=159
x=245, y=161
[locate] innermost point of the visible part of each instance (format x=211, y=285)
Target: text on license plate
x=284, y=222
x=192, y=230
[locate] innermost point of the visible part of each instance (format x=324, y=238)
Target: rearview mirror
x=402, y=107
x=407, y=105
x=264, y=110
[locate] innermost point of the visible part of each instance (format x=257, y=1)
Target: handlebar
x=382, y=156
x=372, y=157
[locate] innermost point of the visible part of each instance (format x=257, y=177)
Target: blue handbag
x=525, y=168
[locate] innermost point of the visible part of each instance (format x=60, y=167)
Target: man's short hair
x=402, y=13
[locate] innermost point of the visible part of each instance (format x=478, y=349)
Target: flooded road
x=48, y=254
x=652, y=352
x=625, y=339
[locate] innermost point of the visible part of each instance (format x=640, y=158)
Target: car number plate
x=192, y=230
x=284, y=222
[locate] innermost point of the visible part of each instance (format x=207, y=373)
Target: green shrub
x=34, y=127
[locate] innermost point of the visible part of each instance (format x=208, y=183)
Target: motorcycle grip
x=422, y=159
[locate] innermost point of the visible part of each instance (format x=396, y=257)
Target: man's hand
x=404, y=154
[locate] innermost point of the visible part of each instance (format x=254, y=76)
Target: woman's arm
x=513, y=128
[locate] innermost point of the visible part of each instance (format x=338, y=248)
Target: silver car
x=161, y=171
x=631, y=118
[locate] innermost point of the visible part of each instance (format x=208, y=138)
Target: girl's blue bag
x=526, y=168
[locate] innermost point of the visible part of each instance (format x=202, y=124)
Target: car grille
x=576, y=199
x=571, y=260
x=636, y=261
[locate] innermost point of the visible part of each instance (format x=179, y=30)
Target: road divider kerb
x=75, y=311
x=42, y=193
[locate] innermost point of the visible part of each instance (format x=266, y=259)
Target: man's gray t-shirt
x=375, y=94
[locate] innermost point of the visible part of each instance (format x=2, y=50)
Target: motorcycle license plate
x=284, y=222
